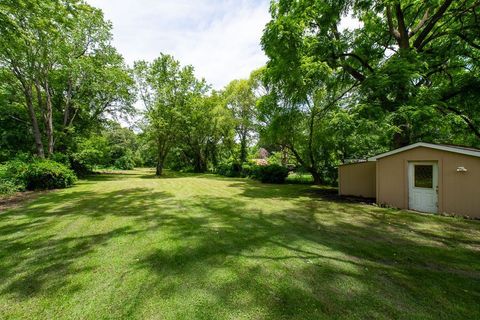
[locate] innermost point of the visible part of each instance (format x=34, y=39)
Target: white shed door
x=423, y=186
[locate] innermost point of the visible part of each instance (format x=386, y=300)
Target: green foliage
x=60, y=76
x=241, y=101
x=267, y=174
x=230, y=169
x=334, y=94
x=125, y=162
x=249, y=170
x=61, y=158
x=89, y=155
x=13, y=120
x=12, y=175
x=233, y=168
x=37, y=174
x=272, y=173
x=111, y=146
x=184, y=125
x=8, y=187
x=120, y=142
x=408, y=72
x=411, y=65
x=48, y=174
x=166, y=89
x=80, y=169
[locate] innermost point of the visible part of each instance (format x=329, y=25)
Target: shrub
x=12, y=174
x=229, y=169
x=9, y=187
x=17, y=175
x=268, y=174
x=247, y=169
x=273, y=173
x=48, y=174
x=79, y=168
x=88, y=158
x=60, y=158
x=125, y=162
x=251, y=170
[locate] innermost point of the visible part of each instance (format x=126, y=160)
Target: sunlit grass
x=131, y=246
x=300, y=178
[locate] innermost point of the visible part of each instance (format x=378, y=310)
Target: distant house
x=423, y=177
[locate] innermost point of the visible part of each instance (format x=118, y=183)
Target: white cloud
x=221, y=39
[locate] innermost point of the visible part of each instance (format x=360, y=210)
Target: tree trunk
x=159, y=170
x=68, y=100
x=49, y=119
x=243, y=148
x=213, y=154
x=199, y=166
x=284, y=156
x=400, y=139
x=317, y=178
x=33, y=119
x=162, y=154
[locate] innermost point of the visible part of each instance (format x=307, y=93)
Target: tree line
x=407, y=72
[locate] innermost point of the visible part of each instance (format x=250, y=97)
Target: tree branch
x=468, y=41
x=353, y=72
x=467, y=120
x=362, y=61
x=392, y=30
x=403, y=40
x=297, y=155
x=433, y=21
x=420, y=24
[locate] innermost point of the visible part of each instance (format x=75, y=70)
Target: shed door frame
x=424, y=197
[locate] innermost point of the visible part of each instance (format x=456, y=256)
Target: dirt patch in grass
x=18, y=198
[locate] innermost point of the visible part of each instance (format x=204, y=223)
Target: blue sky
x=221, y=39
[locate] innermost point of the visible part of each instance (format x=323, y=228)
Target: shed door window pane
x=424, y=176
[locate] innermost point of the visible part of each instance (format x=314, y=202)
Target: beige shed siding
x=357, y=179
x=459, y=192
x=461, y=189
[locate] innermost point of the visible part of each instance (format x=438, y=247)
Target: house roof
x=443, y=147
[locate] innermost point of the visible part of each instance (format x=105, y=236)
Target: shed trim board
x=455, y=149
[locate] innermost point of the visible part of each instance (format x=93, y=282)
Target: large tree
x=415, y=62
x=60, y=56
x=208, y=126
x=168, y=92
x=308, y=119
x=241, y=100
x=184, y=123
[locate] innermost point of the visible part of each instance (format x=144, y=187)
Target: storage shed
x=358, y=179
x=423, y=177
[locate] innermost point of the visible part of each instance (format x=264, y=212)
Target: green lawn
x=131, y=246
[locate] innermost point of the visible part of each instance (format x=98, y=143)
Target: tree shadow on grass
x=179, y=175
x=125, y=202
x=291, y=264
x=257, y=190
x=45, y=263
x=35, y=258
x=224, y=258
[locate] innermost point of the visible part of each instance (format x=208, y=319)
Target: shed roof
x=444, y=147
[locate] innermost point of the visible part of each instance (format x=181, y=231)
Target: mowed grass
x=131, y=246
